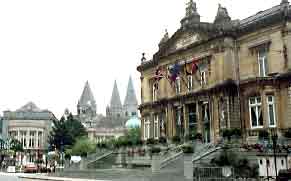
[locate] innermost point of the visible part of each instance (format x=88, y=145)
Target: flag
x=192, y=67
x=174, y=72
x=159, y=74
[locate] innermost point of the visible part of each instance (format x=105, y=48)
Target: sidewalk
x=44, y=177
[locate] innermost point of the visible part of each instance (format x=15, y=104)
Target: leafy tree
x=133, y=136
x=65, y=132
x=83, y=146
x=16, y=146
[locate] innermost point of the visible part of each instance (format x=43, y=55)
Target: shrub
x=236, y=132
x=155, y=150
x=176, y=139
x=198, y=136
x=263, y=134
x=139, y=142
x=162, y=140
x=150, y=141
x=187, y=149
x=226, y=133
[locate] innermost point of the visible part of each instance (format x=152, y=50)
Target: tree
x=133, y=136
x=83, y=146
x=65, y=132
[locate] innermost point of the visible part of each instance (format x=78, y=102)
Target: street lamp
x=274, y=139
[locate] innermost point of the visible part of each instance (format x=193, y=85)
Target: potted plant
x=198, y=136
x=263, y=135
x=163, y=140
x=187, y=149
x=150, y=141
x=226, y=134
x=176, y=139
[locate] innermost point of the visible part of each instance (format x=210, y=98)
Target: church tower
x=130, y=103
x=115, y=107
x=86, y=105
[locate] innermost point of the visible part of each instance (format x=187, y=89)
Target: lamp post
x=274, y=139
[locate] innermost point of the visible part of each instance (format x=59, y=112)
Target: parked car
x=30, y=168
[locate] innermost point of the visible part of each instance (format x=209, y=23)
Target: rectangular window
x=262, y=61
x=39, y=142
x=31, y=139
x=192, y=118
x=146, y=129
x=203, y=78
x=178, y=85
x=190, y=82
x=23, y=138
x=156, y=126
x=256, y=114
x=154, y=92
x=271, y=111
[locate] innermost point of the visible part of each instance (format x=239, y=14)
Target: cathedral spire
x=115, y=107
x=130, y=103
x=86, y=103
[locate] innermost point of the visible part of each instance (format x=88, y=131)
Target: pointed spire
x=222, y=15
x=164, y=39
x=115, y=98
x=130, y=98
x=192, y=16
x=130, y=103
x=87, y=97
x=87, y=100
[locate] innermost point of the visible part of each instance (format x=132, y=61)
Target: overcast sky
x=48, y=49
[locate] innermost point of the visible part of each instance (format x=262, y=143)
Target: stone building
x=130, y=105
x=86, y=107
x=239, y=76
x=29, y=125
x=112, y=125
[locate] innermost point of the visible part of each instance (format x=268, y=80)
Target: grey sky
x=48, y=49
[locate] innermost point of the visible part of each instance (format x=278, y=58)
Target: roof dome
x=133, y=122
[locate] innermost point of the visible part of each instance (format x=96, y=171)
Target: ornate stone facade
x=242, y=81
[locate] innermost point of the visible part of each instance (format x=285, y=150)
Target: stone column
x=27, y=138
x=188, y=166
x=287, y=42
x=36, y=142
x=156, y=163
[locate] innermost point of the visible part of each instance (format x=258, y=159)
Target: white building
x=29, y=125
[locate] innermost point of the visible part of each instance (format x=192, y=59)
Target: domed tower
x=130, y=103
x=87, y=105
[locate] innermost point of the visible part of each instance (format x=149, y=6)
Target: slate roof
x=29, y=107
x=29, y=112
